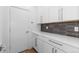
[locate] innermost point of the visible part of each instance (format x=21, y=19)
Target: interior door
x=19, y=29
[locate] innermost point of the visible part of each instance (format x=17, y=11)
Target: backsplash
x=70, y=28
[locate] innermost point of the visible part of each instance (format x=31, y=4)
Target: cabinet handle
x=52, y=50
x=41, y=19
x=55, y=50
x=58, y=14
x=55, y=42
x=27, y=31
x=61, y=13
x=36, y=42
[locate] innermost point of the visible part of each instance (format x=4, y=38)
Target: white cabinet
x=35, y=41
x=44, y=44
x=63, y=13
x=43, y=47
x=47, y=47
x=48, y=14
x=43, y=13
x=36, y=44
x=55, y=14
x=70, y=13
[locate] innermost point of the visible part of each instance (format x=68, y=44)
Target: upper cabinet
x=43, y=14
x=48, y=14
x=70, y=13
x=55, y=13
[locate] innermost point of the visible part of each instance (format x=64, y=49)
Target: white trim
x=20, y=8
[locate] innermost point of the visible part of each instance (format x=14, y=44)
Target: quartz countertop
x=61, y=38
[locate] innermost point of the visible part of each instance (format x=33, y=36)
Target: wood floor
x=32, y=50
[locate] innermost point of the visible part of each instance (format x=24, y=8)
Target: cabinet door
x=40, y=46
x=50, y=14
x=70, y=13
x=35, y=41
x=43, y=14
x=56, y=50
x=36, y=44
x=55, y=14
x=44, y=47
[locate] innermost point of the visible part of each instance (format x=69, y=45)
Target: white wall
x=5, y=27
x=1, y=24
x=34, y=19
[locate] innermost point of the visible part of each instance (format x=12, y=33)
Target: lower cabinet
x=35, y=42
x=44, y=47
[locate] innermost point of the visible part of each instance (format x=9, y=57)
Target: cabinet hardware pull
x=36, y=42
x=55, y=42
x=27, y=31
x=55, y=51
x=52, y=50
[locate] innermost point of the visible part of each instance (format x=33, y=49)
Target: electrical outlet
x=76, y=29
x=47, y=27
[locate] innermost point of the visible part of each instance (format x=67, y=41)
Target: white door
x=19, y=30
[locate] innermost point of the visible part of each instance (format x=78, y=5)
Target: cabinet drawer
x=51, y=41
x=43, y=38
x=65, y=47
x=70, y=49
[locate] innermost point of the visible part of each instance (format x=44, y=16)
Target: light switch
x=76, y=29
